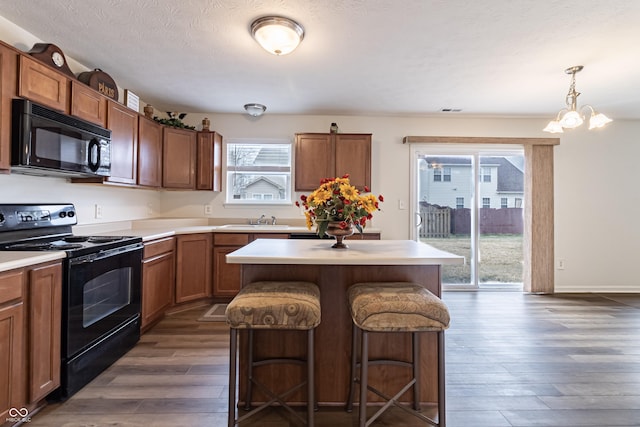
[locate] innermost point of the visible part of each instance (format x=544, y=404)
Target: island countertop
x=360, y=252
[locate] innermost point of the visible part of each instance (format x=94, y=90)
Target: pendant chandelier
x=571, y=117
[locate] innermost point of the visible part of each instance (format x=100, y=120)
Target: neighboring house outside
x=447, y=181
x=263, y=189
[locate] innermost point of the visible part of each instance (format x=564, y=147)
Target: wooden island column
x=334, y=271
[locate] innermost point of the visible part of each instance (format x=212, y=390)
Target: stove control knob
x=1, y=218
x=63, y=214
x=71, y=214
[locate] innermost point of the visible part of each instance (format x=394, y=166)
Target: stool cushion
x=275, y=305
x=396, y=307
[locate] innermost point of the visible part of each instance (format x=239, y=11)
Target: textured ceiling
x=374, y=57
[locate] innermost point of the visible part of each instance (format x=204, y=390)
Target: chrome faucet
x=273, y=220
x=259, y=220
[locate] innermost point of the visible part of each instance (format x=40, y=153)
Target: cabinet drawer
x=158, y=247
x=230, y=239
x=10, y=286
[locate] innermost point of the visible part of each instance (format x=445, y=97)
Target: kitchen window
x=503, y=203
x=258, y=171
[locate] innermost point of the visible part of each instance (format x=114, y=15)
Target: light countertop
x=11, y=260
x=360, y=252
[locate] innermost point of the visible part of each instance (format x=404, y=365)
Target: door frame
x=538, y=274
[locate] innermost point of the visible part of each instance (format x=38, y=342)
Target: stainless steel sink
x=255, y=227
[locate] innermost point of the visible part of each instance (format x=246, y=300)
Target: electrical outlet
x=208, y=210
x=561, y=264
x=402, y=205
x=150, y=209
x=98, y=211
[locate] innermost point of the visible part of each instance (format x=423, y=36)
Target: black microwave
x=48, y=143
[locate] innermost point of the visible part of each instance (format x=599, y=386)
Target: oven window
x=106, y=294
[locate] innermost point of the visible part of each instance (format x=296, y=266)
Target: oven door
x=102, y=292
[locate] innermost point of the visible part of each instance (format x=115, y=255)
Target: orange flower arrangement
x=337, y=200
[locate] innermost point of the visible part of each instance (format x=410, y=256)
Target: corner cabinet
x=324, y=155
x=179, y=154
x=209, y=168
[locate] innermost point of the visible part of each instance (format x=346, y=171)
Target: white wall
x=596, y=198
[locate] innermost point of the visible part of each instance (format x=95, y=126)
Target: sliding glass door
x=468, y=201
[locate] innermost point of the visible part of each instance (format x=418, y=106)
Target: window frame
x=229, y=201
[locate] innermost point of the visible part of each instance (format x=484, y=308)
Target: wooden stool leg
x=441, y=382
x=247, y=400
x=233, y=350
x=311, y=386
x=415, y=346
x=352, y=381
x=364, y=374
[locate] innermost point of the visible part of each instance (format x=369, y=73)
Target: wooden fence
x=436, y=221
x=443, y=221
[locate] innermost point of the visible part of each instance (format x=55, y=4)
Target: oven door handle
x=87, y=259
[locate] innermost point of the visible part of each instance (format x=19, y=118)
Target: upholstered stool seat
x=272, y=305
x=395, y=307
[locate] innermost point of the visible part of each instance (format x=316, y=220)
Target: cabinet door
x=179, y=147
x=12, y=367
x=123, y=123
x=45, y=312
x=8, y=79
x=193, y=267
x=157, y=286
x=227, y=280
x=209, y=170
x=43, y=85
x=314, y=160
x=11, y=356
x=353, y=157
x=149, y=153
x=88, y=104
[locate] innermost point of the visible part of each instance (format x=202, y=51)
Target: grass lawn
x=501, y=258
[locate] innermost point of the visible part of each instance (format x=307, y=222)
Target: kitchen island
x=334, y=271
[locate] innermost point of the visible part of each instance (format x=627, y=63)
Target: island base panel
x=333, y=335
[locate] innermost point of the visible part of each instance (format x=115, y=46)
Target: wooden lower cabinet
x=158, y=279
x=227, y=277
x=30, y=336
x=45, y=311
x=226, y=280
x=193, y=267
x=12, y=369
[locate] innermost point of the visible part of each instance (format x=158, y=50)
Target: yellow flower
x=319, y=196
x=349, y=192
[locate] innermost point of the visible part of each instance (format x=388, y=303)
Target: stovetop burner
x=72, y=239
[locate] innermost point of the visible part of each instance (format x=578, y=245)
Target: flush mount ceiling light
x=276, y=34
x=255, y=110
x=571, y=117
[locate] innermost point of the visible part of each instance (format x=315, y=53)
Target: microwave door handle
x=94, y=145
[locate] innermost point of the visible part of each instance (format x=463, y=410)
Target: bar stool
x=272, y=305
x=394, y=307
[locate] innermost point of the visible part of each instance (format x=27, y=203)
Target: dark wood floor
x=512, y=360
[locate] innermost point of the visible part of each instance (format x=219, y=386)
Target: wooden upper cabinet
x=179, y=153
x=314, y=159
x=43, y=85
x=209, y=168
x=88, y=104
x=123, y=123
x=8, y=78
x=327, y=155
x=353, y=156
x=149, y=153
